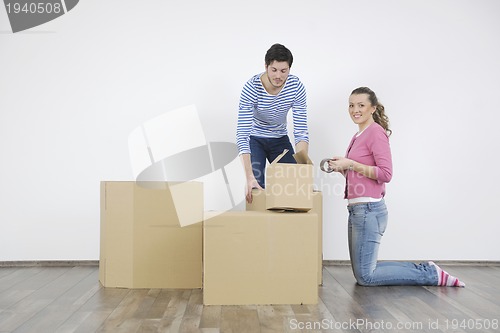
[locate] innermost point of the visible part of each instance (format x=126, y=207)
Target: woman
x=367, y=167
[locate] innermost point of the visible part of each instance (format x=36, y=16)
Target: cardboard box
x=142, y=242
x=259, y=204
x=255, y=257
x=290, y=186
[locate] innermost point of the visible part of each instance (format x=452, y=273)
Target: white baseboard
x=49, y=263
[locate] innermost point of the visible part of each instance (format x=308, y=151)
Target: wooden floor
x=70, y=299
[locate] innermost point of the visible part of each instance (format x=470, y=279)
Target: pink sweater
x=370, y=148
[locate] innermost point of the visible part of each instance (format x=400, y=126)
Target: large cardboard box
x=255, y=257
x=142, y=242
x=259, y=204
x=290, y=186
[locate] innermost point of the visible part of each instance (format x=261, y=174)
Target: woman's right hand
x=340, y=164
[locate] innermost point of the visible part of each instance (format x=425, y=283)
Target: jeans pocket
x=357, y=215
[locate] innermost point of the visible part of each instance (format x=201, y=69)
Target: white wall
x=73, y=89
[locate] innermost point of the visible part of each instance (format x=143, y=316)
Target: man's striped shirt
x=264, y=115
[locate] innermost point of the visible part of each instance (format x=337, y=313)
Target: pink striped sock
x=445, y=279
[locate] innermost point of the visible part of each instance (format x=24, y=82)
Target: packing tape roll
x=322, y=165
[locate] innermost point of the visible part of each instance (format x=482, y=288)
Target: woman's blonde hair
x=379, y=115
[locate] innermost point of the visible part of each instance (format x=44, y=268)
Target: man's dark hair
x=279, y=53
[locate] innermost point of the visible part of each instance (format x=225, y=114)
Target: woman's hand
x=340, y=164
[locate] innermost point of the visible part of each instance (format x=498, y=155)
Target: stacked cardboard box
x=260, y=258
x=259, y=204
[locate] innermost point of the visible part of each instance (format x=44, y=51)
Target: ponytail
x=381, y=118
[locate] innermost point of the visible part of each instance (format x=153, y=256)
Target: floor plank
x=192, y=315
x=240, y=319
x=275, y=318
x=98, y=308
x=210, y=317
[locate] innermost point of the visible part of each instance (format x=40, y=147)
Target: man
x=262, y=119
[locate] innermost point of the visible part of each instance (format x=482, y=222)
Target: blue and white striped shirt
x=264, y=115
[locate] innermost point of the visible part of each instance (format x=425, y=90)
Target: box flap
x=280, y=156
x=302, y=158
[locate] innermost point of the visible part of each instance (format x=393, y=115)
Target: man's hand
x=251, y=184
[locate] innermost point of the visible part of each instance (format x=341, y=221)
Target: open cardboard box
x=290, y=186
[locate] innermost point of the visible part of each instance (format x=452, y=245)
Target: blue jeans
x=366, y=226
x=263, y=149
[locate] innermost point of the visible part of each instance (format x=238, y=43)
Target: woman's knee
x=364, y=280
